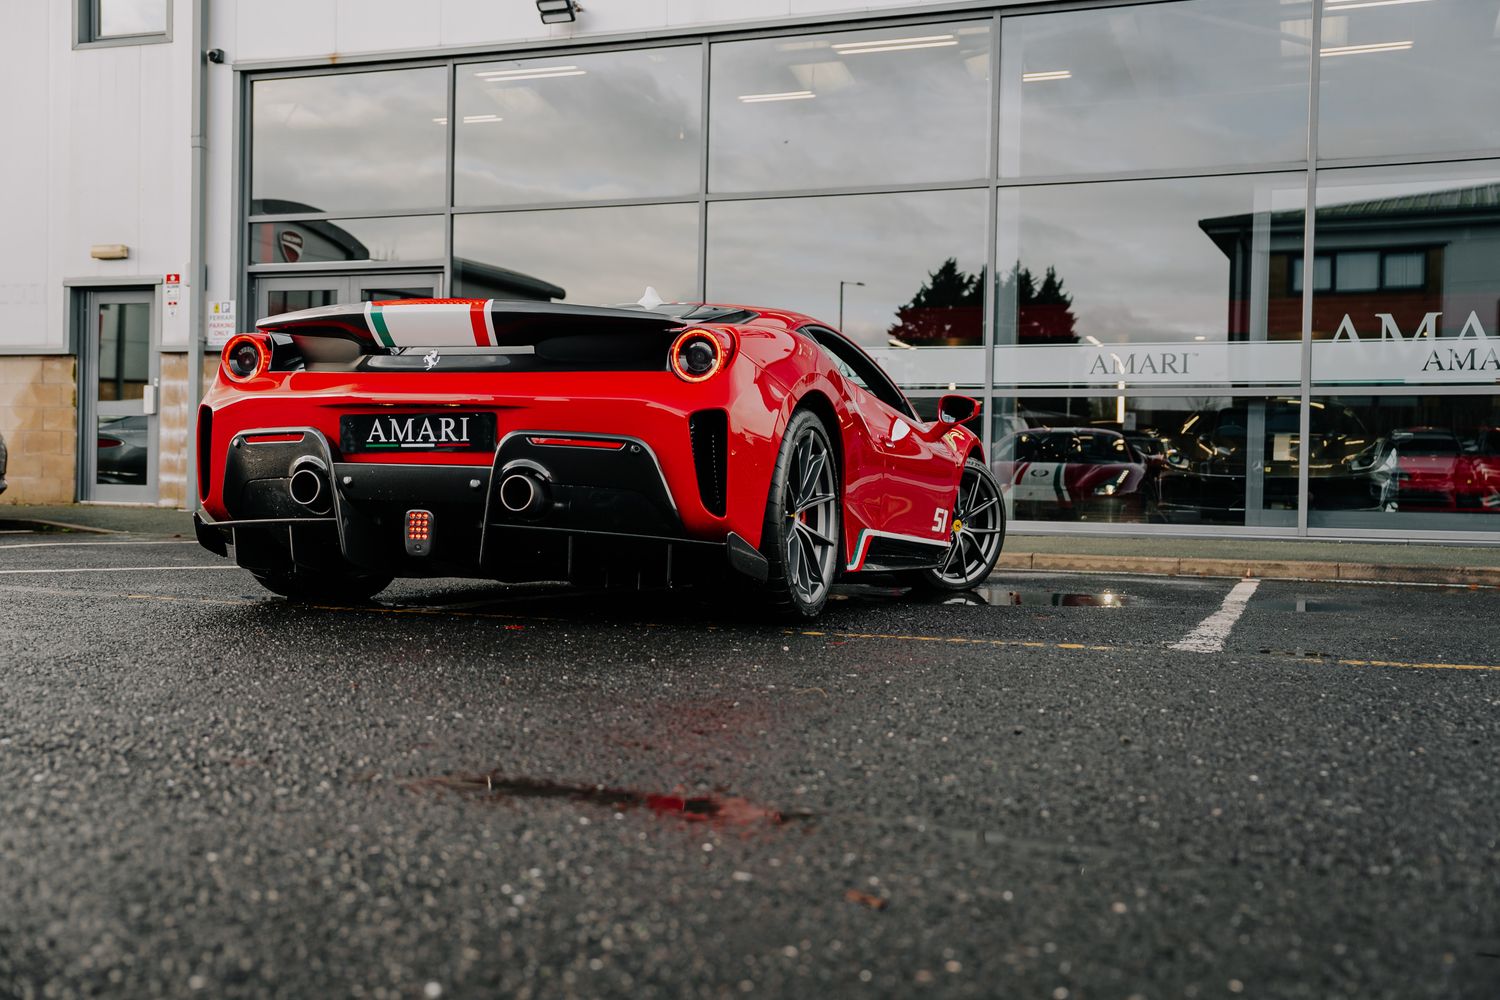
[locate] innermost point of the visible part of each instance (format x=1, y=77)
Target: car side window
x=859, y=369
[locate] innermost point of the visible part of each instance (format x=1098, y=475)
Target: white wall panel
x=477, y=22
x=685, y=13
x=376, y=25
x=284, y=29
x=220, y=94
x=610, y=17
x=103, y=203
x=26, y=186
x=163, y=175
x=805, y=8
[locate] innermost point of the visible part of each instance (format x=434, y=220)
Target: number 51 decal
x=940, y=521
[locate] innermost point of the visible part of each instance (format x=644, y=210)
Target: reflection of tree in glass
x=1041, y=314
x=947, y=309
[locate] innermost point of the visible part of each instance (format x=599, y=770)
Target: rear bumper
x=604, y=512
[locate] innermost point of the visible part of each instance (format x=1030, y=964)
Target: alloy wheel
x=977, y=530
x=811, y=507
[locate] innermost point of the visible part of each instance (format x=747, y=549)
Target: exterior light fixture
x=557, y=11
x=109, y=251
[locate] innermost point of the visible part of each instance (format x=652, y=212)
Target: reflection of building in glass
x=1395, y=266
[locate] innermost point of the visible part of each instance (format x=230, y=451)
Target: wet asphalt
x=473, y=790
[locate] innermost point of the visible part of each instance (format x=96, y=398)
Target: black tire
x=977, y=532
x=311, y=587
x=804, y=517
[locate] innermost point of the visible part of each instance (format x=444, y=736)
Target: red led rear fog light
x=418, y=532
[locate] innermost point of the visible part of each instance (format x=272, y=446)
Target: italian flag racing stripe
x=376, y=322
x=444, y=323
x=478, y=311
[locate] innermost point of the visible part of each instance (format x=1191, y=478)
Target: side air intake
x=709, y=430
x=205, y=452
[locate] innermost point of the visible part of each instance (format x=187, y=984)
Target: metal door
x=120, y=380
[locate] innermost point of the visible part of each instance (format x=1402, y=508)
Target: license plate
x=417, y=432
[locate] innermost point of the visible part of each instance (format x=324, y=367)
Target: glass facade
x=1097, y=220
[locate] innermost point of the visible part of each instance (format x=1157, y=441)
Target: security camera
x=215, y=55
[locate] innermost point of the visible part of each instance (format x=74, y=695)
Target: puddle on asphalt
x=716, y=810
x=1052, y=598
x=992, y=595
x=1304, y=605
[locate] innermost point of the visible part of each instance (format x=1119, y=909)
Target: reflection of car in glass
x=1205, y=480
x=1087, y=473
x=1426, y=468
x=123, y=449
x=346, y=445
x=4, y=460
x=1155, y=450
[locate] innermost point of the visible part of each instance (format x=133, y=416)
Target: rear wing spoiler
x=462, y=322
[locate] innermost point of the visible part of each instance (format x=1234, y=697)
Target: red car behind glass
x=341, y=447
x=1428, y=468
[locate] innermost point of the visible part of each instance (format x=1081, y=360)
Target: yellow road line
x=1418, y=666
x=1077, y=647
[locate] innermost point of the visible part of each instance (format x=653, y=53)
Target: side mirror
x=954, y=409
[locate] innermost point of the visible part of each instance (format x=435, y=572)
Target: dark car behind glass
x=1206, y=479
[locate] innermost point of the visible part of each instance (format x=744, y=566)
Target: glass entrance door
x=277, y=295
x=118, y=392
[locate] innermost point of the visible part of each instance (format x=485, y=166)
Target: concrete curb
x=1472, y=576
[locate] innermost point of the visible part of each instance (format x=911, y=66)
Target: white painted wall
x=317, y=29
x=98, y=154
x=28, y=232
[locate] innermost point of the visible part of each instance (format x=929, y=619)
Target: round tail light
x=245, y=357
x=697, y=355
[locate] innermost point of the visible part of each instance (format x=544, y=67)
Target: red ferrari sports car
x=343, y=446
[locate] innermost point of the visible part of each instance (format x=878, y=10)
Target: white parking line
x=115, y=569
x=69, y=545
x=1209, y=636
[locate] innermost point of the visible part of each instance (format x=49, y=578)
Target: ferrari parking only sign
x=220, y=326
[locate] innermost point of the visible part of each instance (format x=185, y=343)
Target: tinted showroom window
x=598, y=256
x=1172, y=85
x=349, y=142
x=885, y=106
x=1183, y=261
x=1413, y=250
x=322, y=241
x=1409, y=77
x=919, y=256
x=605, y=126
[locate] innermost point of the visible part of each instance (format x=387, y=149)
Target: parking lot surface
x=1062, y=786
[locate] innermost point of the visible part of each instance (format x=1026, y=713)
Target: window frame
x=86, y=29
x=1297, y=271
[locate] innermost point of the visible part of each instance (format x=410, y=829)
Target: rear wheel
x=321, y=587
x=976, y=534
x=801, y=534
